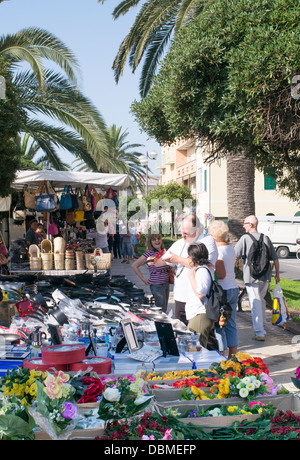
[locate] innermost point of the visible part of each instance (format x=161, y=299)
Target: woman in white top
x=196, y=292
x=224, y=268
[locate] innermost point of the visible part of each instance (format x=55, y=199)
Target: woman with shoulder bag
x=225, y=272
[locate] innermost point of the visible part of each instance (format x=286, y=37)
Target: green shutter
x=269, y=179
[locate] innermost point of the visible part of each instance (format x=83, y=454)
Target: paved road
x=290, y=268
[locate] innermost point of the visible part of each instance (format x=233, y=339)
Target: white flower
x=257, y=383
x=246, y=380
x=111, y=394
x=142, y=399
x=243, y=392
x=216, y=412
x=250, y=386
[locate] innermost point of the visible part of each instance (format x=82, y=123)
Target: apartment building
x=184, y=162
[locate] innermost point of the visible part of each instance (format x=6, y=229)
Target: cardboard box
x=75, y=434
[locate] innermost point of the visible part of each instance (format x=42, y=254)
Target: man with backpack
x=257, y=252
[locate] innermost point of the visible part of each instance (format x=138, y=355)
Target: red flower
x=87, y=399
x=94, y=389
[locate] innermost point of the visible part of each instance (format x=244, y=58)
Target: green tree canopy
x=227, y=79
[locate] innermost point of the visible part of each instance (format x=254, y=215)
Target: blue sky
x=89, y=29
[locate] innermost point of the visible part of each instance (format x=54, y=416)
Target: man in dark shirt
x=31, y=237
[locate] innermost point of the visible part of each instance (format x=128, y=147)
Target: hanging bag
x=79, y=194
x=45, y=201
x=65, y=199
x=29, y=198
x=74, y=199
x=87, y=200
x=52, y=228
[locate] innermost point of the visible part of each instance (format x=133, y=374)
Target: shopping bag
x=45, y=201
x=65, y=199
x=29, y=198
x=52, y=228
x=280, y=312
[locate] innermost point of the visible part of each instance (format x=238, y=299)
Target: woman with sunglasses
x=158, y=274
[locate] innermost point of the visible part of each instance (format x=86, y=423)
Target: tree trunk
x=240, y=193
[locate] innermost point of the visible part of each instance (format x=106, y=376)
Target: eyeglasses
x=247, y=223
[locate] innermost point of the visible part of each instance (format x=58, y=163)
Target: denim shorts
x=126, y=249
x=228, y=335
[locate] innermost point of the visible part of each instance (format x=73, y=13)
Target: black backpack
x=258, y=257
x=217, y=304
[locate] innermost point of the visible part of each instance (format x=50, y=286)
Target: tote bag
x=66, y=199
x=45, y=201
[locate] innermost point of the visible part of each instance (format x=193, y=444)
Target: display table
x=203, y=359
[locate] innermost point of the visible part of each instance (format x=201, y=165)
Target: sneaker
x=258, y=338
x=123, y=261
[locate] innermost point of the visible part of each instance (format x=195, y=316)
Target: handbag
x=74, y=199
x=45, y=202
x=70, y=217
x=29, y=199
x=87, y=200
x=79, y=216
x=52, y=228
x=79, y=193
x=65, y=199
x=171, y=275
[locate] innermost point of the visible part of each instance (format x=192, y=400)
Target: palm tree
x=54, y=95
x=153, y=28
x=125, y=159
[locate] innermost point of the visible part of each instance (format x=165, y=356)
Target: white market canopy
x=74, y=178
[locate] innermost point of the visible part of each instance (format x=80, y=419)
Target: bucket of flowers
x=123, y=398
x=53, y=410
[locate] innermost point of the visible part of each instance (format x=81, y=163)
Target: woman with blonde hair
x=224, y=269
x=159, y=273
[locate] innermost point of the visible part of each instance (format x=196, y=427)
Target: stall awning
x=73, y=178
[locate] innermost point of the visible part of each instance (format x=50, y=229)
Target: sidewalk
x=280, y=351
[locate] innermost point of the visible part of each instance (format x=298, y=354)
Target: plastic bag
x=280, y=313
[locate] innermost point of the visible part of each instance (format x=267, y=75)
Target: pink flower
x=167, y=435
x=298, y=373
x=253, y=403
x=148, y=438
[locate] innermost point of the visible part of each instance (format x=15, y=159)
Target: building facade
x=184, y=162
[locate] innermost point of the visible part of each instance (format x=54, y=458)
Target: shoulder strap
x=211, y=278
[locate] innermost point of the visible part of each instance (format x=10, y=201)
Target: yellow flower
x=232, y=409
x=196, y=391
x=240, y=356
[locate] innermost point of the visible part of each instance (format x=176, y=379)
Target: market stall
x=68, y=203
x=106, y=368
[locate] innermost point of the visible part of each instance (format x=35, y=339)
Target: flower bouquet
x=21, y=383
x=123, y=398
x=296, y=381
x=53, y=410
x=15, y=421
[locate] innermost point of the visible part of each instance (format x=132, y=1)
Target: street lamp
x=144, y=159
